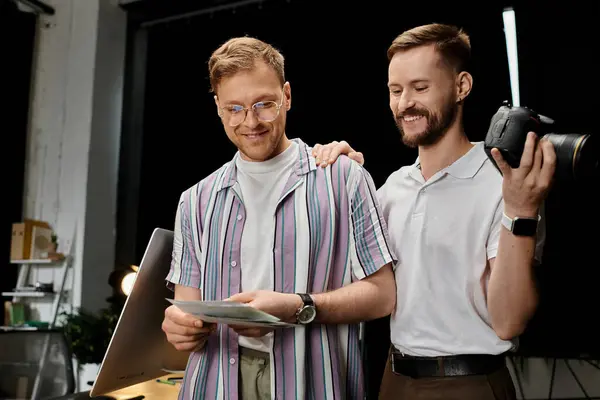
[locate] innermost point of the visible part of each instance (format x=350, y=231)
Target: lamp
x=510, y=33
x=122, y=280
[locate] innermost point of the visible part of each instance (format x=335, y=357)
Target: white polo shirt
x=443, y=231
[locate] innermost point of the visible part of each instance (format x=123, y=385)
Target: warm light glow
x=127, y=283
x=510, y=32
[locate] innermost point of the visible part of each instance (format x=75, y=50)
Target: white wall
x=73, y=144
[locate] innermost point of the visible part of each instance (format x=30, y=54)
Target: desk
x=151, y=390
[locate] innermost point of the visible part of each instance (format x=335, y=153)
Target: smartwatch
x=308, y=312
x=521, y=226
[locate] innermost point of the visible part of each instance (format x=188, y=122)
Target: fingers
x=245, y=297
x=250, y=331
x=528, y=152
x=329, y=153
x=340, y=148
x=357, y=156
x=505, y=169
x=171, y=327
x=178, y=317
x=187, y=343
x=326, y=154
x=537, y=158
x=193, y=345
x=321, y=153
x=317, y=149
x=548, y=163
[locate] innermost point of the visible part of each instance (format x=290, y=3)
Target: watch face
x=525, y=226
x=307, y=315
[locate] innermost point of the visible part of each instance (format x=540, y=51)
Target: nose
x=251, y=121
x=405, y=102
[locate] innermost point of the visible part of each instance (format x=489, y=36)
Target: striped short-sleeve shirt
x=329, y=232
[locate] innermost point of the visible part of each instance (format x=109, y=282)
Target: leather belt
x=459, y=365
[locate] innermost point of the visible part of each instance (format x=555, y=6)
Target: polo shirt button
x=233, y=263
x=239, y=217
x=232, y=361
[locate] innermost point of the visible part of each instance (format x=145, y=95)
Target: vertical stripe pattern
x=328, y=233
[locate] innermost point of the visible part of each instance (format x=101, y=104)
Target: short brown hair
x=241, y=54
x=451, y=42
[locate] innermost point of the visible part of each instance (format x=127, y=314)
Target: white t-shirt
x=443, y=232
x=262, y=185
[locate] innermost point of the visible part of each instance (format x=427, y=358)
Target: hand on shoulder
x=327, y=154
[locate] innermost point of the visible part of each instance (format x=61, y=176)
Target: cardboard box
x=25, y=239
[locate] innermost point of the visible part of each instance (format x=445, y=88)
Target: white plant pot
x=86, y=373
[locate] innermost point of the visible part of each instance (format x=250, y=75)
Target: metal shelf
x=39, y=261
x=28, y=294
x=19, y=328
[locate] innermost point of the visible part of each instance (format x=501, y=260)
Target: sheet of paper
x=227, y=312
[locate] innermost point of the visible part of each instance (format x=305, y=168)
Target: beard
x=437, y=124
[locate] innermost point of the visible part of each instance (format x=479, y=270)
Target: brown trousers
x=495, y=386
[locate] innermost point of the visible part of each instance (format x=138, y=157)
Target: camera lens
x=577, y=155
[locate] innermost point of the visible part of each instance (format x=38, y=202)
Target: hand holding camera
x=531, y=157
x=524, y=188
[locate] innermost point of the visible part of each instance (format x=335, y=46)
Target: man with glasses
x=272, y=230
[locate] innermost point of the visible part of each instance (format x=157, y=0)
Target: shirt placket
x=232, y=260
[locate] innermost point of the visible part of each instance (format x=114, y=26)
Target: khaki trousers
x=255, y=375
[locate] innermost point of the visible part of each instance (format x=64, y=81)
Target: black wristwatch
x=521, y=226
x=308, y=312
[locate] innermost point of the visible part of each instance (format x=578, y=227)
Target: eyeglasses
x=265, y=111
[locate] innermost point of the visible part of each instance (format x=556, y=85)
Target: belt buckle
x=392, y=363
x=393, y=355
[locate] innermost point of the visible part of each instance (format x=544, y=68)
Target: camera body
x=577, y=155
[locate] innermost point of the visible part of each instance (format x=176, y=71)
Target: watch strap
x=509, y=222
x=306, y=299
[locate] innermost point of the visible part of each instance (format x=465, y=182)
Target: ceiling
x=150, y=12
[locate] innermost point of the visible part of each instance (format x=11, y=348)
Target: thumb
x=505, y=169
x=245, y=297
x=358, y=157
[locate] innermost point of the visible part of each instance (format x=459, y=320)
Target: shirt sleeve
x=370, y=245
x=186, y=267
x=496, y=228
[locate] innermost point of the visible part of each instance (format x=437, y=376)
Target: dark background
x=336, y=54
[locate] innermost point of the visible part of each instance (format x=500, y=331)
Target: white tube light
x=510, y=33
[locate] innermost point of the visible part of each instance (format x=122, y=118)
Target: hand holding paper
x=185, y=331
x=280, y=305
x=251, y=309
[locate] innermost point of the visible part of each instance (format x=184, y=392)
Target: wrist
x=296, y=304
x=521, y=212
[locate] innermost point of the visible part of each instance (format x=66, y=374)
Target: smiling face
x=423, y=95
x=260, y=133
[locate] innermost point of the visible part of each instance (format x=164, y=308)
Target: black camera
x=577, y=155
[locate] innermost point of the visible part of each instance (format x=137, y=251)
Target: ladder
x=18, y=295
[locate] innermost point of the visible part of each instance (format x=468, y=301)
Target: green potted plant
x=88, y=335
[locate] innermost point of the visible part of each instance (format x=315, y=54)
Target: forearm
x=187, y=293
x=512, y=292
x=367, y=299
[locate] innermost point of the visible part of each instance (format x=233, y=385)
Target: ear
x=217, y=104
x=287, y=93
x=464, y=84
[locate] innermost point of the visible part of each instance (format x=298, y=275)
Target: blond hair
x=241, y=54
x=452, y=43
